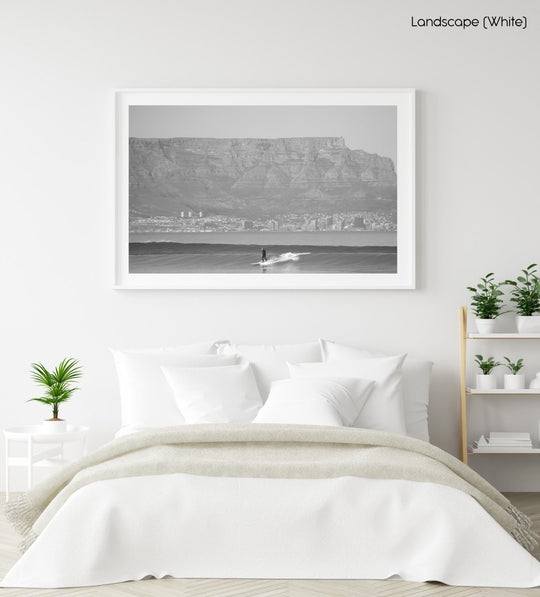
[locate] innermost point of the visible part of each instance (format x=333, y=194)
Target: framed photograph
x=265, y=188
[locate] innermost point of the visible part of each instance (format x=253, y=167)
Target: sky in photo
x=371, y=128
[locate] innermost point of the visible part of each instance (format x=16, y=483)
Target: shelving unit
x=468, y=393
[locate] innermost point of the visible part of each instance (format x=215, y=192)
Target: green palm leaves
x=58, y=383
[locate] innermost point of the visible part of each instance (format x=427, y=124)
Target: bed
x=303, y=461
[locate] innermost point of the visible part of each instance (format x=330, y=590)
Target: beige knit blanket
x=272, y=451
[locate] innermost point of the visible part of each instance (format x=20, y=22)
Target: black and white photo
x=280, y=193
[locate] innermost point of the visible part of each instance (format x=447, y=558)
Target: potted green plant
x=58, y=388
x=514, y=380
x=486, y=303
x=525, y=295
x=486, y=380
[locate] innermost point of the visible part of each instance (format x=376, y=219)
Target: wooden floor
x=528, y=502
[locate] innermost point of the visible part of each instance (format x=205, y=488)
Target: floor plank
x=529, y=503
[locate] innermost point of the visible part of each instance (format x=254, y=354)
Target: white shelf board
x=503, y=451
x=503, y=392
x=505, y=336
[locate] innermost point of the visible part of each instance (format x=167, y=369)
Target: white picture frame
x=402, y=99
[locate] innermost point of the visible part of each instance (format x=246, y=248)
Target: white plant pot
x=49, y=426
x=485, y=326
x=486, y=382
x=514, y=382
x=528, y=324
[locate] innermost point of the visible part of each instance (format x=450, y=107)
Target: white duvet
x=185, y=526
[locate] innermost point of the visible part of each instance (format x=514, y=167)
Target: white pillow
x=146, y=398
x=206, y=347
x=269, y=361
x=315, y=401
x=215, y=394
x=416, y=378
x=384, y=407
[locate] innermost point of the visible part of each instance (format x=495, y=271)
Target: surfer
x=283, y=258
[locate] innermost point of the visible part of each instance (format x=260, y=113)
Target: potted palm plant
x=58, y=388
x=514, y=380
x=486, y=303
x=525, y=295
x=486, y=380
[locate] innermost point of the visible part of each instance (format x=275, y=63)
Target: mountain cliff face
x=252, y=177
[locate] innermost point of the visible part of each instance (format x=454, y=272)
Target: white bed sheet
x=194, y=526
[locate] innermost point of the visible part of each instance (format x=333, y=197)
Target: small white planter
x=528, y=324
x=485, y=326
x=514, y=382
x=486, y=382
x=50, y=426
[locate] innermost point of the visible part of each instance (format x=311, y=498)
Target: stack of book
x=504, y=441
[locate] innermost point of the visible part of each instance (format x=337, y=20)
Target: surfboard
x=283, y=258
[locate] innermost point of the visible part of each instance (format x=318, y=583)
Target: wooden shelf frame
x=463, y=451
x=465, y=392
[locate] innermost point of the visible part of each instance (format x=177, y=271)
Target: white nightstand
x=52, y=456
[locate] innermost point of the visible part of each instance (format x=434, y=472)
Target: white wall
x=477, y=190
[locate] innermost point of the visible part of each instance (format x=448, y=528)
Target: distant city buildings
x=379, y=220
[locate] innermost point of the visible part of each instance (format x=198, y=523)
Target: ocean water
x=358, y=238
x=171, y=256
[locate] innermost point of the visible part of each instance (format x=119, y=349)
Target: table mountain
x=253, y=177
